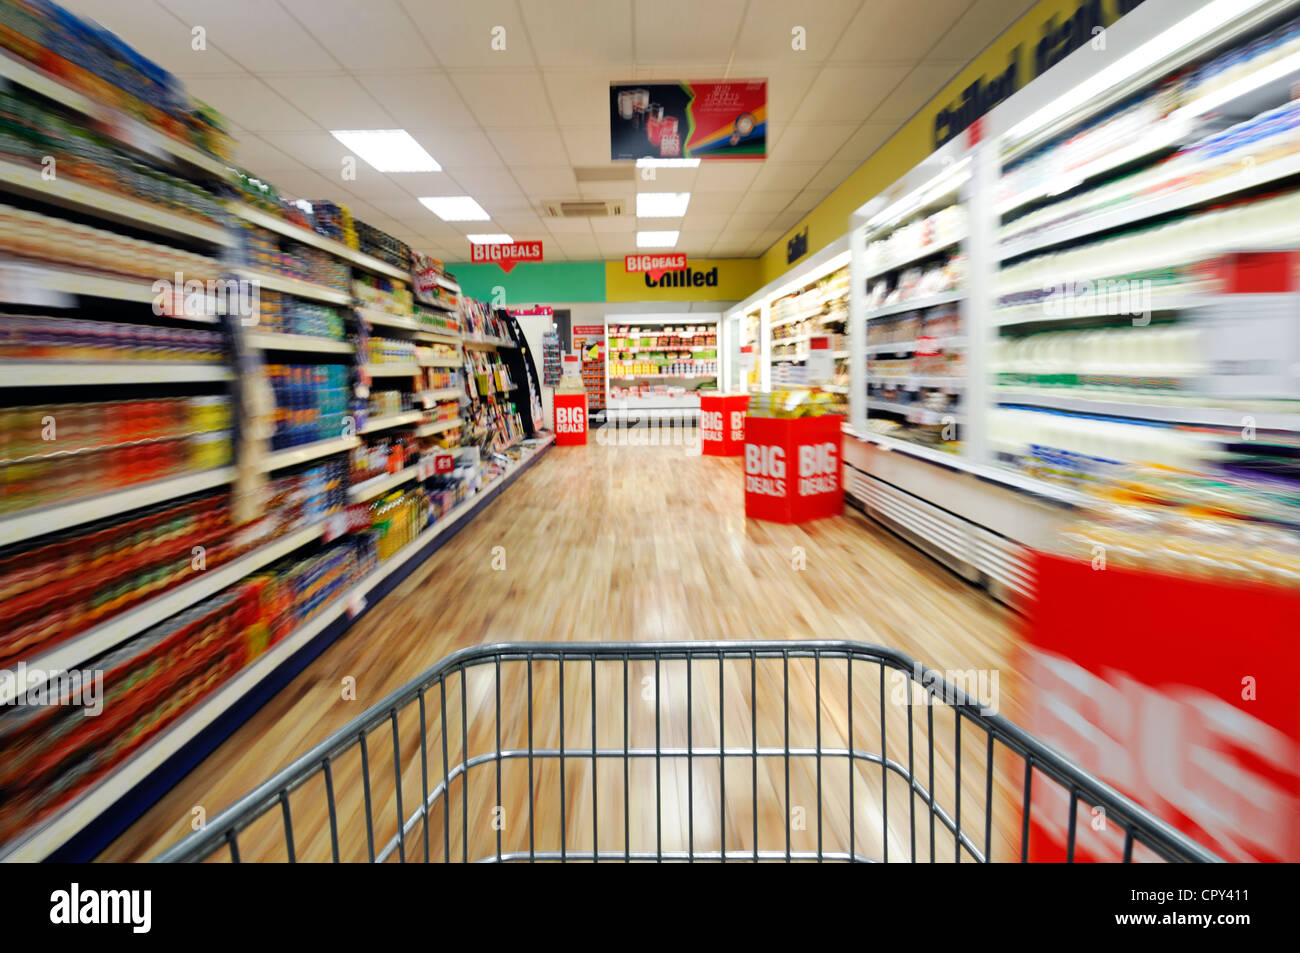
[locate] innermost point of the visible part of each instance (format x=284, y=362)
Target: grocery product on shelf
x=288, y=314
x=271, y=253
x=311, y=403
x=42, y=338
x=54, y=453
x=99, y=65
x=377, y=293
x=796, y=402
x=35, y=236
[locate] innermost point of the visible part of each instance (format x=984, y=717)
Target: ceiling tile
x=751, y=222
x=371, y=185
x=910, y=28
x=849, y=93
x=650, y=179
x=579, y=97
x=587, y=145
x=379, y=38
x=671, y=32
x=779, y=176
x=426, y=183
x=462, y=34
x=711, y=220
x=504, y=97
x=724, y=176
x=251, y=103
x=419, y=100
x=768, y=32
x=812, y=142
x=480, y=182
x=260, y=157
x=564, y=32
x=306, y=184
x=917, y=88
x=758, y=201
x=832, y=175
x=625, y=223
x=713, y=202
x=869, y=137
x=979, y=27
x=529, y=147
x=256, y=34
x=551, y=182
x=316, y=150
x=569, y=226
x=464, y=147
x=336, y=102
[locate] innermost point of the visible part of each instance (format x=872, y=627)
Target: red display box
x=570, y=420
x=793, y=468
x=1176, y=691
x=722, y=424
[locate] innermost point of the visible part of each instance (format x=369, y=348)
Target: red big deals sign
x=722, y=424
x=1174, y=690
x=654, y=265
x=570, y=420
x=792, y=468
x=507, y=256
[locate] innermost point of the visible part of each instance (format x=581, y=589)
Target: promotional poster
x=688, y=120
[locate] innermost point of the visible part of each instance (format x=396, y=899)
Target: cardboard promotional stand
x=570, y=420
x=722, y=424
x=793, y=468
x=1176, y=691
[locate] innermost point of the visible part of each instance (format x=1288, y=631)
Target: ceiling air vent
x=593, y=208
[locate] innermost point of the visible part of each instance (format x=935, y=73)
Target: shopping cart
x=700, y=751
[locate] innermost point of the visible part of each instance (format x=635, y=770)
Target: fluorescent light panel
x=646, y=162
x=455, y=208
x=656, y=239
x=662, y=204
x=498, y=239
x=387, y=150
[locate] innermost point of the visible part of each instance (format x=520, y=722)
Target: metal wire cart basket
x=699, y=751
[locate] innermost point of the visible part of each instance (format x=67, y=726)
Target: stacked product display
x=818, y=307
x=662, y=363
x=590, y=347
x=914, y=302
x=179, y=501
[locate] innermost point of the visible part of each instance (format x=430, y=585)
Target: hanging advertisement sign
x=537, y=310
x=656, y=266
x=505, y=255
x=688, y=120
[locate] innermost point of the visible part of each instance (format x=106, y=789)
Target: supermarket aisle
x=608, y=543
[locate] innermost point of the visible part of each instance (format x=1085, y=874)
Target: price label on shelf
x=356, y=605
x=335, y=526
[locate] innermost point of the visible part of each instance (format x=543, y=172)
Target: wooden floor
x=618, y=543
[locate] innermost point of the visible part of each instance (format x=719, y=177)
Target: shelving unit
x=305, y=338
x=1097, y=313
x=666, y=375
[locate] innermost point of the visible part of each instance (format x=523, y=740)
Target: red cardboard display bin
x=1174, y=690
x=793, y=468
x=570, y=420
x=722, y=424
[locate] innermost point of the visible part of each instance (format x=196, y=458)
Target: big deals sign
x=505, y=255
x=792, y=468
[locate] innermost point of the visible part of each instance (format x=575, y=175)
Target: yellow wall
x=915, y=140
x=737, y=279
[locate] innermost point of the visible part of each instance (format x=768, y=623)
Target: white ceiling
x=509, y=126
